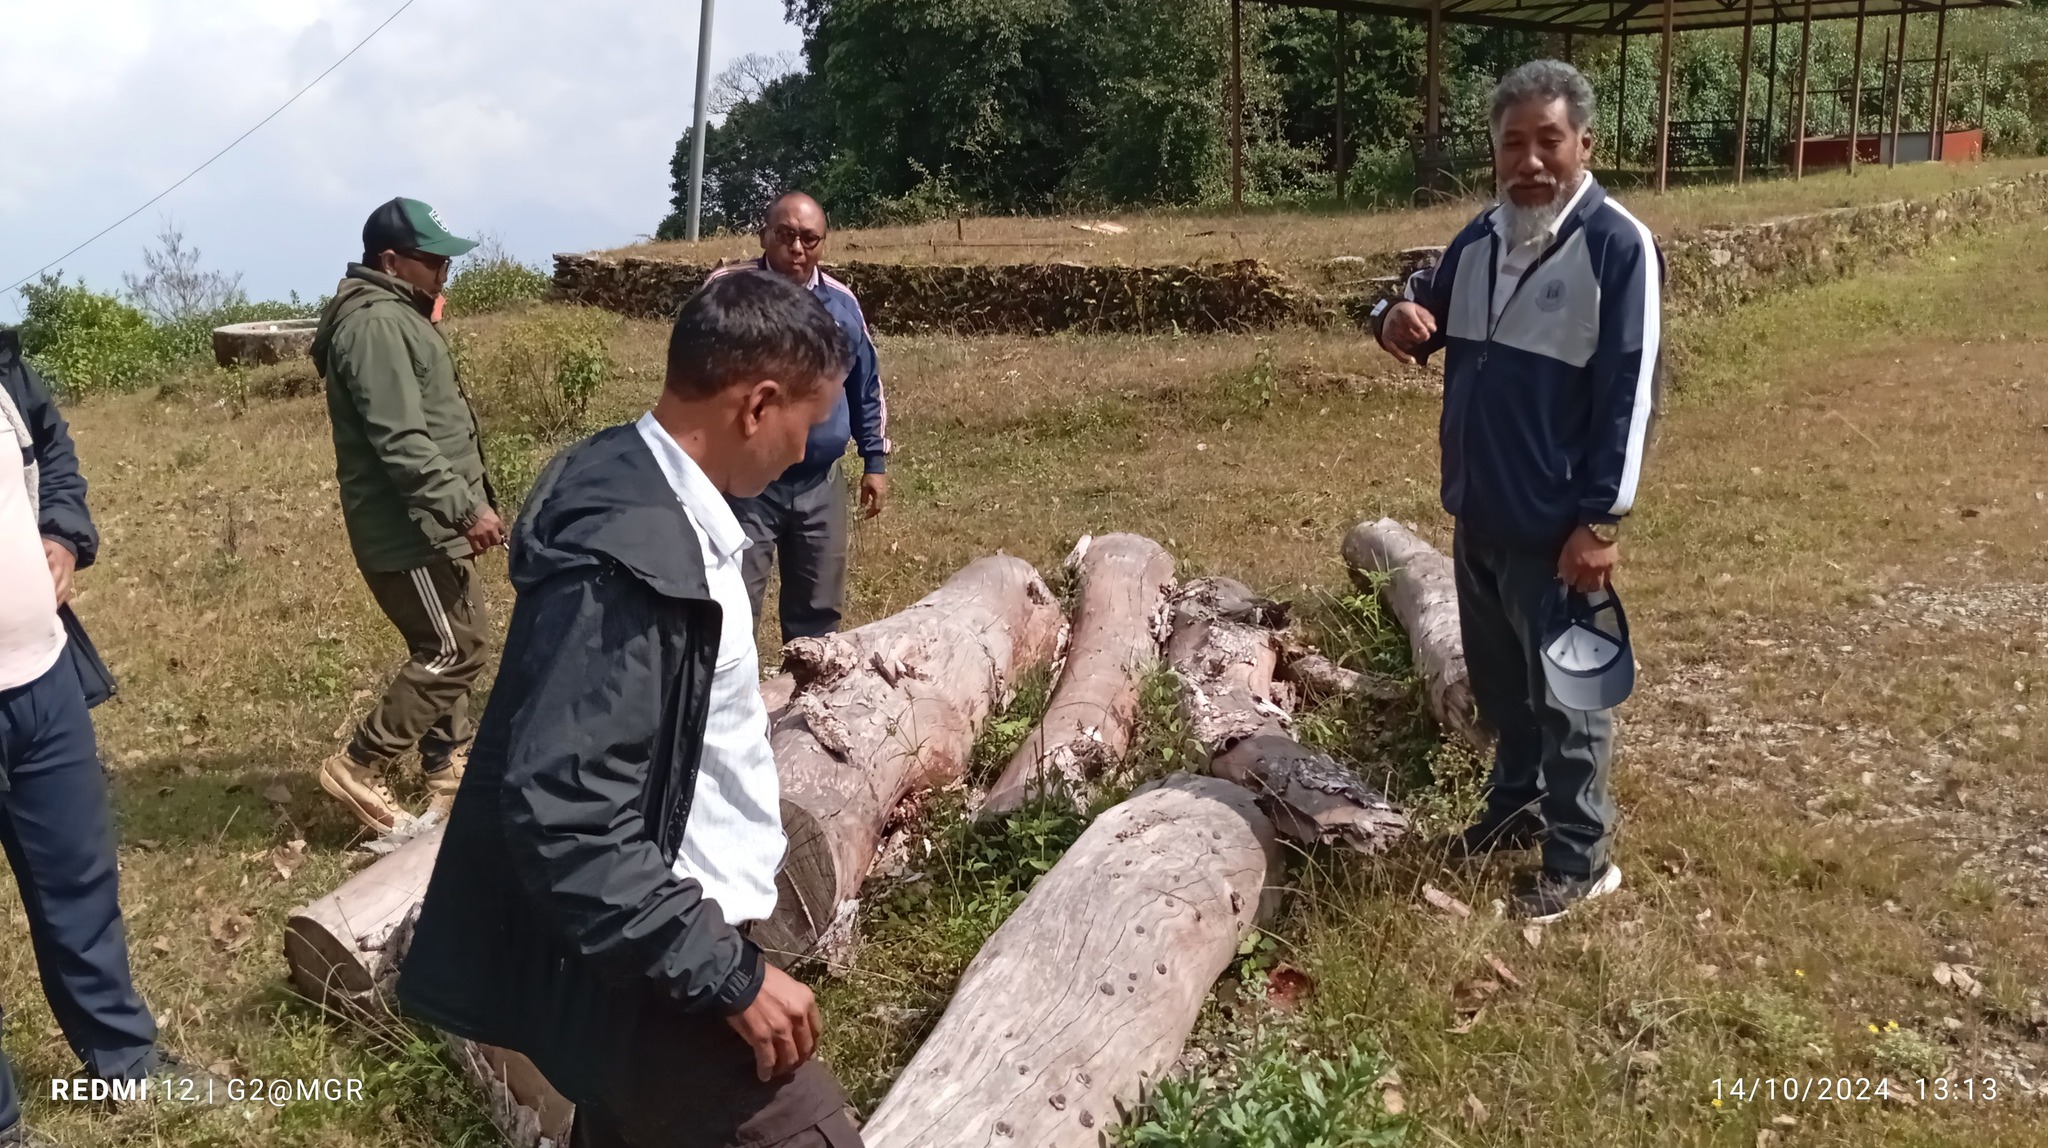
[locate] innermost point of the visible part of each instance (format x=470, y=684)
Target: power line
x=102, y=233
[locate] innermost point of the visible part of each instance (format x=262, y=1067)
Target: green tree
x=779, y=139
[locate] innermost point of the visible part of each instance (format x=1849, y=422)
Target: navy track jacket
x=1547, y=409
x=862, y=413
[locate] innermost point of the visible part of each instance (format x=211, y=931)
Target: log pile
x=1418, y=583
x=1090, y=988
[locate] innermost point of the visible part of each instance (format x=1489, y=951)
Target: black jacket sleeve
x=61, y=488
x=577, y=762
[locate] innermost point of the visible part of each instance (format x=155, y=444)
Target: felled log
x=775, y=694
x=1090, y=989
x=345, y=949
x=526, y=1109
x=1422, y=590
x=1225, y=653
x=1118, y=629
x=885, y=710
x=1317, y=677
x=339, y=949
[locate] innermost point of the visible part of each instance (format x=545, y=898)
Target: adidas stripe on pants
x=439, y=612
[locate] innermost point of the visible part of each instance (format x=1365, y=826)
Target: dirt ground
x=1832, y=774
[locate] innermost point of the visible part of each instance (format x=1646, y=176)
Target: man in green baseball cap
x=416, y=502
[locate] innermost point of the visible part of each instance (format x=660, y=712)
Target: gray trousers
x=1549, y=759
x=804, y=524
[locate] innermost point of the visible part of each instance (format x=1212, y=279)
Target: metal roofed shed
x=1666, y=18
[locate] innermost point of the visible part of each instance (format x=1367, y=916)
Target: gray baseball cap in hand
x=1587, y=660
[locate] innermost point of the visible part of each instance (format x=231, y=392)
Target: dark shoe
x=1488, y=837
x=1553, y=894
x=20, y=1135
x=181, y=1082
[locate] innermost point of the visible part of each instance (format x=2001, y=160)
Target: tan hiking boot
x=362, y=789
x=443, y=783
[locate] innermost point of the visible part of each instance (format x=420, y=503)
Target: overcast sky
x=548, y=123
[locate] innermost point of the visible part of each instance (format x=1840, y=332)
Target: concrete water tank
x=268, y=341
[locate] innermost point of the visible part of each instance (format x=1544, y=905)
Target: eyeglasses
x=429, y=261
x=784, y=234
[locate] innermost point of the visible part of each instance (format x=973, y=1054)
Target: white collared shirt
x=31, y=634
x=1515, y=260
x=733, y=842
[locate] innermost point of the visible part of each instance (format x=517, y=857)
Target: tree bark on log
x=1088, y=992
x=886, y=710
x=344, y=951
x=1319, y=677
x=867, y=717
x=1422, y=589
x=339, y=947
x=1225, y=650
x=1118, y=629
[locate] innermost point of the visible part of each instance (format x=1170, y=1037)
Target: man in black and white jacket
x=1548, y=309
x=619, y=826
x=55, y=819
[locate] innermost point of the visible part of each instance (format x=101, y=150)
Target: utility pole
x=697, y=128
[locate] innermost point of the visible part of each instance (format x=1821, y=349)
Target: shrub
x=538, y=377
x=513, y=462
x=934, y=198
x=491, y=280
x=85, y=342
x=1281, y=1100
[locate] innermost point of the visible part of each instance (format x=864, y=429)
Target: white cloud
x=549, y=124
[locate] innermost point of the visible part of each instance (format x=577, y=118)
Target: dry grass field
x=1832, y=775
x=1309, y=239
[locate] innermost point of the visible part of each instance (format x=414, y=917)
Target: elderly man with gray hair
x=1548, y=309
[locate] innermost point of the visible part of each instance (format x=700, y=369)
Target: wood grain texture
x=338, y=948
x=1091, y=987
x=885, y=710
x=1421, y=588
x=1119, y=625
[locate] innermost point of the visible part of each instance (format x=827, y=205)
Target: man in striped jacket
x=801, y=517
x=1548, y=309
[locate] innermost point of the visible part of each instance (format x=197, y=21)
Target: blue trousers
x=1549, y=759
x=58, y=830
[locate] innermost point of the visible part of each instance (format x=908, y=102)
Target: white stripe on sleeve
x=1646, y=370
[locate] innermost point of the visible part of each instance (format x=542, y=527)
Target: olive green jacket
x=406, y=450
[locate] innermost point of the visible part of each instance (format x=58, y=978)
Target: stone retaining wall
x=1027, y=299
x=1712, y=270
x=1706, y=272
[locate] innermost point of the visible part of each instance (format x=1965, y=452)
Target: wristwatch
x=1607, y=532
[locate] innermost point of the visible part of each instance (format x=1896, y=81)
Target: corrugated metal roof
x=1610, y=18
